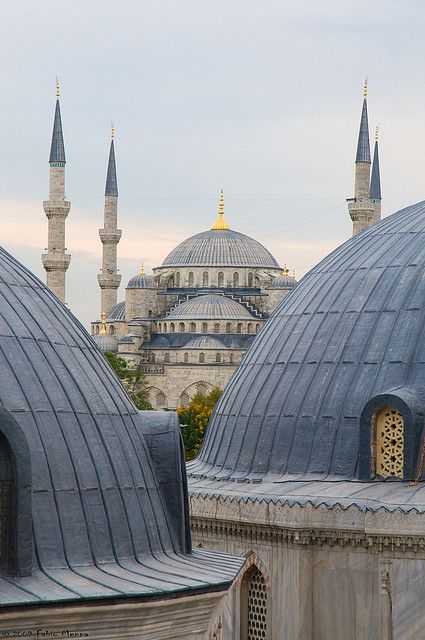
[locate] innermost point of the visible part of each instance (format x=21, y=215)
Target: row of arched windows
x=111, y=330
x=177, y=281
x=193, y=327
x=201, y=358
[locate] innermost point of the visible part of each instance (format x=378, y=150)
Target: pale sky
x=261, y=98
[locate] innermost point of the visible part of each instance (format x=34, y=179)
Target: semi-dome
x=284, y=281
x=106, y=342
x=220, y=248
x=87, y=515
x=210, y=307
x=116, y=313
x=349, y=339
x=205, y=342
x=142, y=281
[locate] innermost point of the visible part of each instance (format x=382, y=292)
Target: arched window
x=249, y=328
x=97, y=330
x=220, y=279
x=205, y=279
x=250, y=279
x=167, y=357
x=112, y=330
x=182, y=327
x=236, y=279
x=165, y=327
x=228, y=327
x=192, y=327
x=159, y=327
x=388, y=443
x=170, y=283
x=257, y=327
x=7, y=505
x=253, y=605
x=204, y=327
x=191, y=279
x=186, y=357
x=239, y=327
x=178, y=279
x=217, y=327
x=172, y=327
x=160, y=400
x=202, y=358
x=231, y=358
x=218, y=357
x=152, y=358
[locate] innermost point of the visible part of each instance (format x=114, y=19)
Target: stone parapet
x=56, y=262
x=58, y=208
x=110, y=237
x=109, y=282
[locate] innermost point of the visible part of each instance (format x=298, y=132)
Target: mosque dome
x=80, y=466
x=117, y=312
x=106, y=342
x=349, y=338
x=142, y=281
x=205, y=342
x=284, y=281
x=210, y=307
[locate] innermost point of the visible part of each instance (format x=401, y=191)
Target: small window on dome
x=191, y=279
x=205, y=279
x=218, y=357
x=228, y=327
x=192, y=327
x=236, y=279
x=172, y=327
x=249, y=328
x=202, y=358
x=220, y=279
x=177, y=279
x=250, y=279
x=239, y=327
x=112, y=330
x=165, y=327
x=204, y=327
x=182, y=327
x=186, y=357
x=257, y=328
x=167, y=357
x=388, y=443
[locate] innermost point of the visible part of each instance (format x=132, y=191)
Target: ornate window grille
x=254, y=606
x=389, y=444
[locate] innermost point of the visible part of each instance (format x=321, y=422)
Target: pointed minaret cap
x=57, y=148
x=363, y=147
x=220, y=224
x=375, y=179
x=111, y=188
x=103, y=330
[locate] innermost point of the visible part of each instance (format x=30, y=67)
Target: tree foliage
x=194, y=420
x=133, y=379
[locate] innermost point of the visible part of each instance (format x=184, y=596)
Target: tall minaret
x=56, y=260
x=108, y=278
x=375, y=181
x=360, y=208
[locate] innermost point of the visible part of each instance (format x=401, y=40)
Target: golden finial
x=285, y=270
x=293, y=274
x=58, y=90
x=142, y=270
x=365, y=88
x=377, y=132
x=112, y=130
x=220, y=224
x=103, y=328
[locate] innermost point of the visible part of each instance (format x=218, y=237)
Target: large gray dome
x=220, y=249
x=79, y=467
x=210, y=307
x=350, y=336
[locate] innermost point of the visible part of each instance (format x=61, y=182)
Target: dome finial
x=377, y=132
x=103, y=328
x=285, y=270
x=220, y=224
x=365, y=88
x=112, y=130
x=142, y=270
x=58, y=90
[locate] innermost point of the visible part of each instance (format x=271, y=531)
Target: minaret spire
x=56, y=260
x=375, y=180
x=108, y=278
x=360, y=208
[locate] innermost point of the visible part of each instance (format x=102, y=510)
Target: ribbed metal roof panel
x=117, y=312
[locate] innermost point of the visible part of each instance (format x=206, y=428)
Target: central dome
x=220, y=248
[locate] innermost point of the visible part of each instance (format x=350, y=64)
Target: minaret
x=108, y=278
x=56, y=260
x=360, y=208
x=375, y=181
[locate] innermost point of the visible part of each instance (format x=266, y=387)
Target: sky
x=260, y=98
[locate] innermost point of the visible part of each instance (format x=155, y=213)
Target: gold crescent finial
x=285, y=270
x=58, y=89
x=142, y=270
x=220, y=224
x=377, y=132
x=103, y=328
x=365, y=88
x=112, y=130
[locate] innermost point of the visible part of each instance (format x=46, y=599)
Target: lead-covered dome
x=350, y=336
x=210, y=307
x=220, y=248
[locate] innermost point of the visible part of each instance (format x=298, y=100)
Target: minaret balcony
x=110, y=237
x=56, y=262
x=56, y=208
x=111, y=281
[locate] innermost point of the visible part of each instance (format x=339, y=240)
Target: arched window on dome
x=239, y=327
x=205, y=279
x=191, y=279
x=182, y=327
x=250, y=279
x=218, y=357
x=152, y=357
x=192, y=327
x=257, y=327
x=220, y=279
x=97, y=330
x=388, y=443
x=172, y=327
x=159, y=327
x=228, y=327
x=178, y=279
x=249, y=328
x=204, y=327
x=254, y=609
x=231, y=358
x=186, y=357
x=236, y=279
x=165, y=327
x=112, y=330
x=167, y=357
x=202, y=358
x=216, y=327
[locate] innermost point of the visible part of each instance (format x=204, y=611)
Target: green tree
x=133, y=379
x=194, y=420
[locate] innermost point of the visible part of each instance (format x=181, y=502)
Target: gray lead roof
x=111, y=187
x=375, y=180
x=57, y=148
x=352, y=329
x=363, y=147
x=109, y=516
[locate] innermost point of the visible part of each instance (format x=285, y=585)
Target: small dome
x=205, y=342
x=106, y=342
x=117, y=312
x=141, y=281
x=350, y=332
x=223, y=248
x=284, y=281
x=210, y=307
